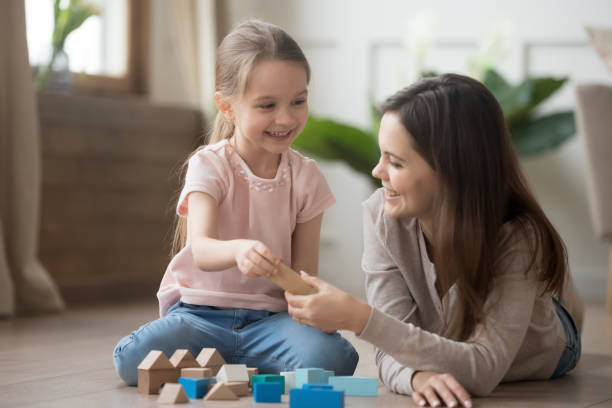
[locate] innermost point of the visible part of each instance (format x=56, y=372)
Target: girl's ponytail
x=222, y=129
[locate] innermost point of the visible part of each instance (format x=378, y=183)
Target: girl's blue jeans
x=272, y=342
x=573, y=347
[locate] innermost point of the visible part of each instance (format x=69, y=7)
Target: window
x=105, y=54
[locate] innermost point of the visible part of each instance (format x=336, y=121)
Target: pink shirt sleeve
x=207, y=174
x=313, y=192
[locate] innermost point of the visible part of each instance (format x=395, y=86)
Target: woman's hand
x=330, y=309
x=429, y=387
x=254, y=259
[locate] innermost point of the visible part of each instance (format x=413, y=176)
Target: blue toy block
x=266, y=378
x=195, y=387
x=309, y=376
x=267, y=392
x=320, y=398
x=360, y=386
x=317, y=387
x=326, y=375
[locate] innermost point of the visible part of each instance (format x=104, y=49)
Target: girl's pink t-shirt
x=249, y=208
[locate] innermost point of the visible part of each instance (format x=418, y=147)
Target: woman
x=466, y=279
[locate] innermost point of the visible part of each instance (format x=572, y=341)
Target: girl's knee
x=330, y=352
x=125, y=361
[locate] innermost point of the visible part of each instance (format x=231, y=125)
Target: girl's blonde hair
x=246, y=45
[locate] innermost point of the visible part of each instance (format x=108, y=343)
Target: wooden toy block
x=320, y=398
x=289, y=380
x=154, y=371
x=267, y=392
x=172, y=394
x=233, y=373
x=359, y=386
x=210, y=358
x=252, y=371
x=309, y=376
x=268, y=378
x=326, y=375
x=199, y=372
x=183, y=359
x=220, y=392
x=290, y=280
x=195, y=387
x=317, y=387
x=240, y=388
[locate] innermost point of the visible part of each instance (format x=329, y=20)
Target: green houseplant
x=532, y=133
x=65, y=21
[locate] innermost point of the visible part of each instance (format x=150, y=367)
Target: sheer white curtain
x=183, y=45
x=24, y=283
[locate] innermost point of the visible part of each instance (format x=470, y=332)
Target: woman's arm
x=305, y=246
x=253, y=258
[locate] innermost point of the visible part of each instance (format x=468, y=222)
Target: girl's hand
x=429, y=387
x=254, y=259
x=330, y=309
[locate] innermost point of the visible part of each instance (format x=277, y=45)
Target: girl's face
x=410, y=184
x=274, y=108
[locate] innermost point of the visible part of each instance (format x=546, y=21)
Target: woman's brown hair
x=459, y=129
x=246, y=45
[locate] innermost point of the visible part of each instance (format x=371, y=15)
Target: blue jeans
x=573, y=347
x=272, y=342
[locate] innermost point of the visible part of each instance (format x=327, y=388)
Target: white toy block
x=233, y=373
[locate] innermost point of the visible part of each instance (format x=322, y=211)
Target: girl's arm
x=305, y=246
x=253, y=258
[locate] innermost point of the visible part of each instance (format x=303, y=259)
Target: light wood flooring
x=65, y=360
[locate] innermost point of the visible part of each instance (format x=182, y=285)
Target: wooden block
x=150, y=381
x=155, y=360
x=268, y=378
x=210, y=358
x=233, y=373
x=195, y=387
x=320, y=398
x=154, y=371
x=240, y=388
x=289, y=380
x=358, y=386
x=309, y=376
x=172, y=394
x=220, y=392
x=199, y=372
x=267, y=392
x=183, y=359
x=290, y=280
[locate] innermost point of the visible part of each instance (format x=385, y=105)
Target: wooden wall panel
x=110, y=178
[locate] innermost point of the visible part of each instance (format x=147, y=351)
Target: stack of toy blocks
x=154, y=371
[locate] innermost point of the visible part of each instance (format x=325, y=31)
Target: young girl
x=466, y=278
x=250, y=202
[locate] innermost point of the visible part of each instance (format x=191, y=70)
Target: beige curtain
x=183, y=45
x=24, y=283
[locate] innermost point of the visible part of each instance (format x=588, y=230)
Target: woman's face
x=410, y=184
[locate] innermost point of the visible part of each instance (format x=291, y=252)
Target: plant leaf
x=330, y=140
x=544, y=133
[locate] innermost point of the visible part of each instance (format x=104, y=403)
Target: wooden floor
x=65, y=360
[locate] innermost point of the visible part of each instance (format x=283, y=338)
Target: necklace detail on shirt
x=239, y=169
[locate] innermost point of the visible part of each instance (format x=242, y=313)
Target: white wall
x=355, y=49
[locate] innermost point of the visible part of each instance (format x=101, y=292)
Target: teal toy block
x=360, y=386
x=317, y=387
x=195, y=387
x=326, y=375
x=267, y=392
x=309, y=376
x=320, y=398
x=269, y=378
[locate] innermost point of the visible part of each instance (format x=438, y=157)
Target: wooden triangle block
x=183, y=359
x=210, y=358
x=240, y=388
x=172, y=394
x=220, y=392
x=155, y=360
